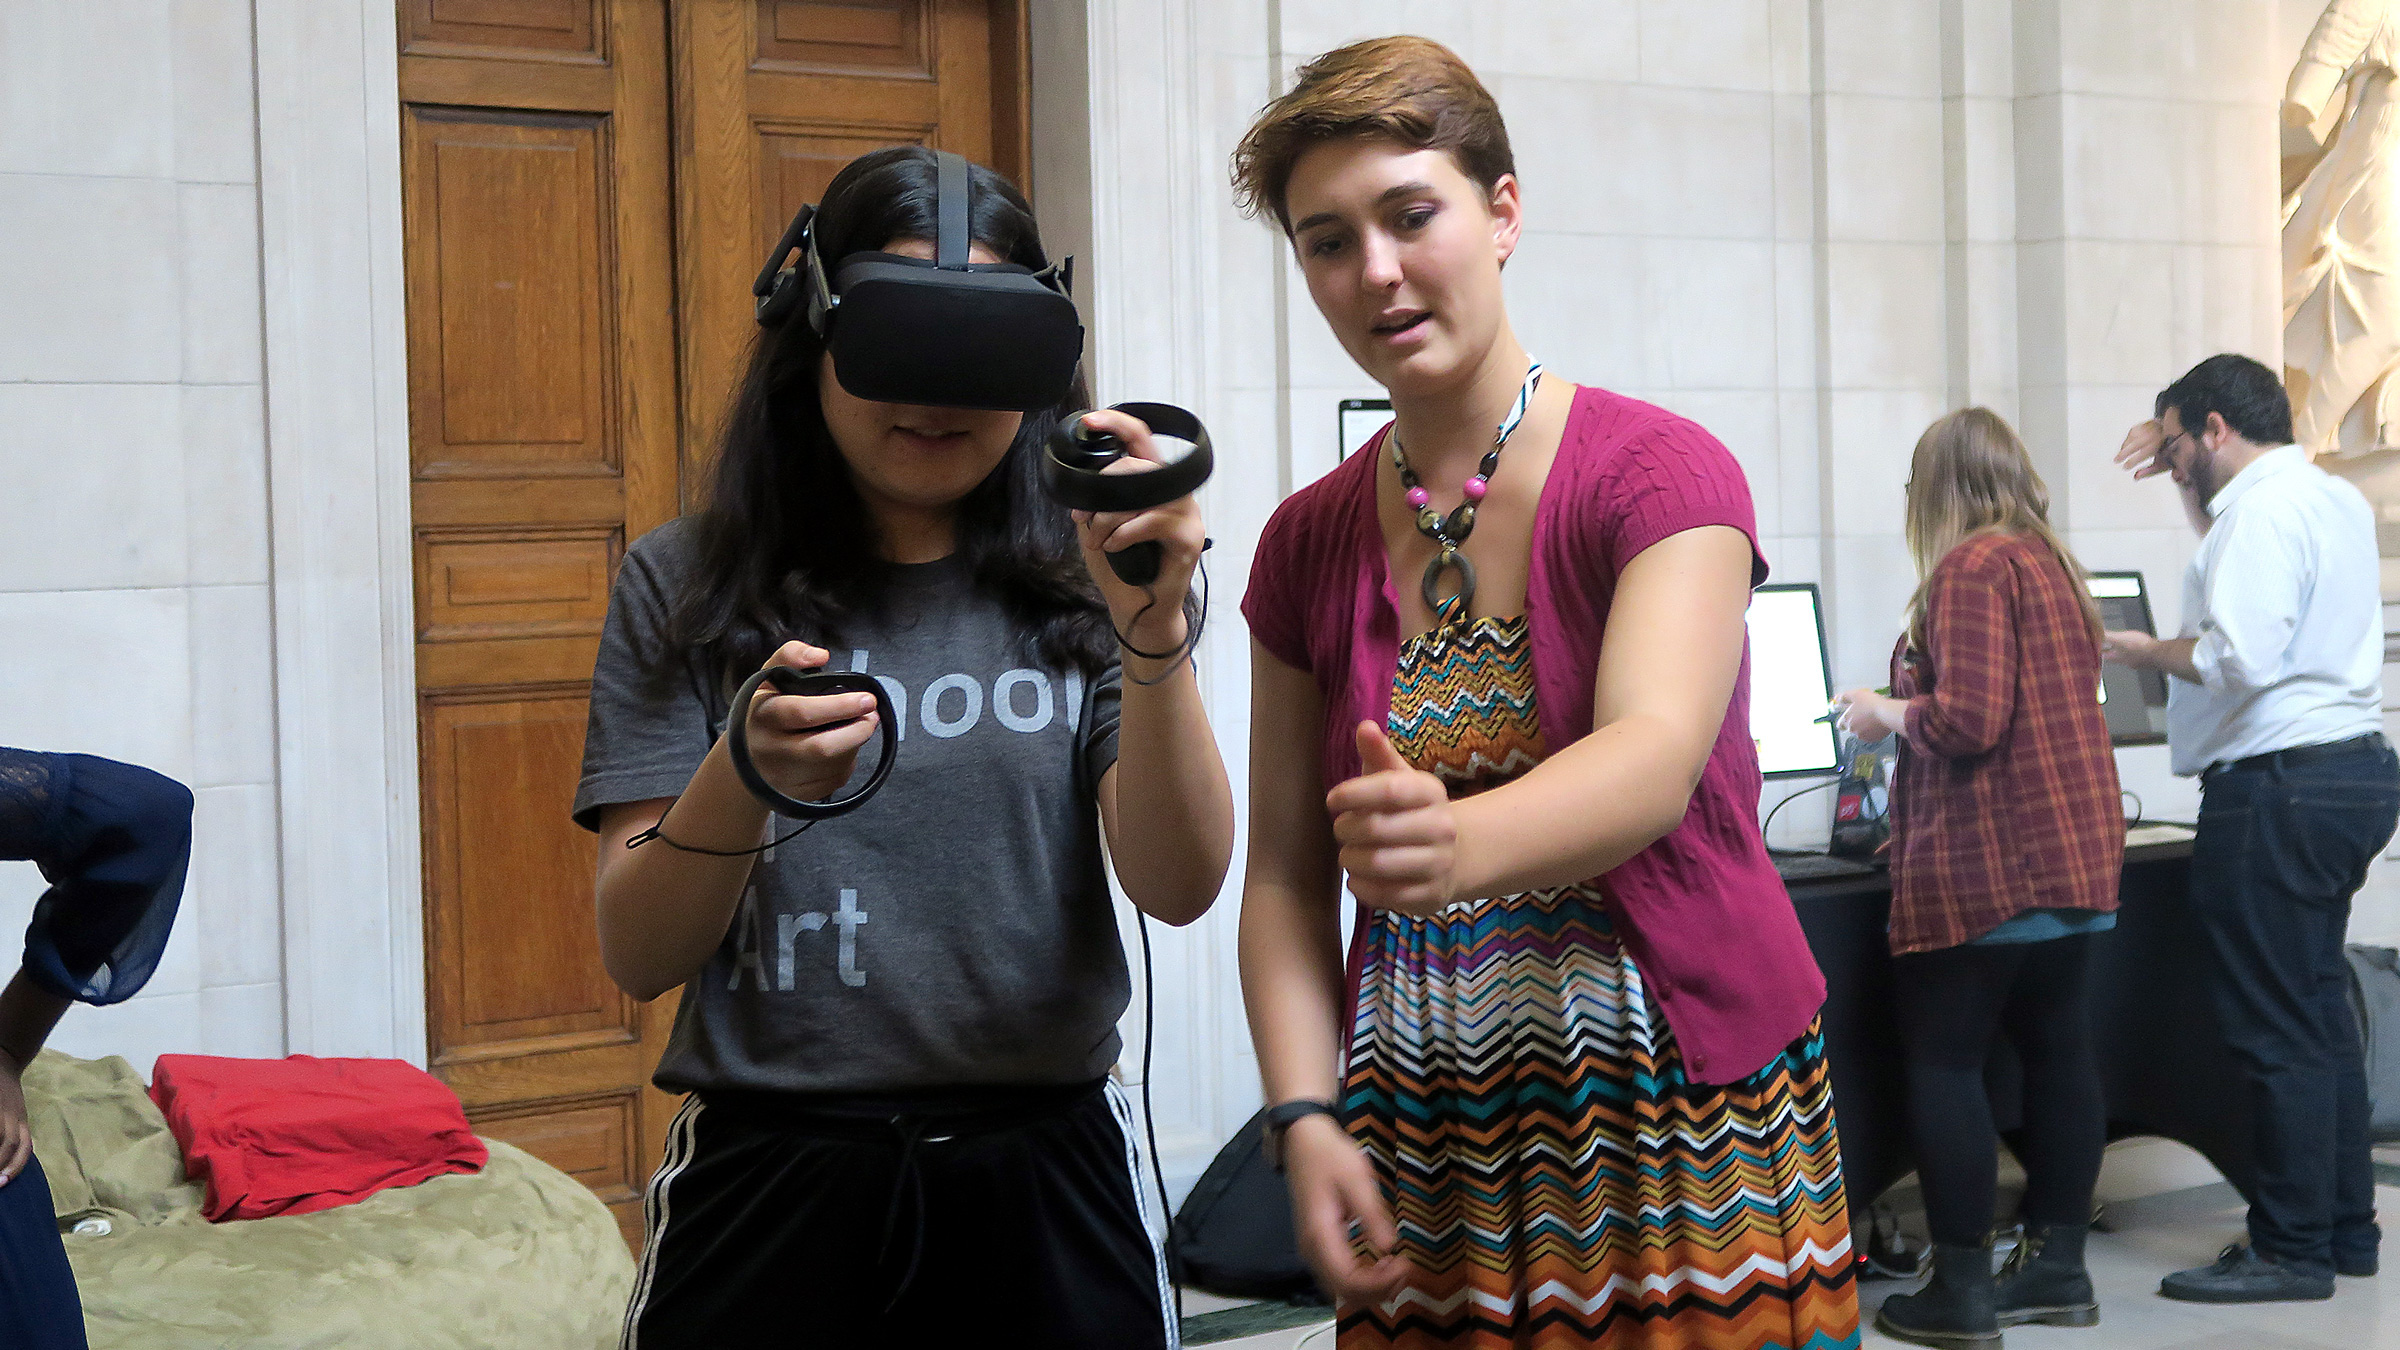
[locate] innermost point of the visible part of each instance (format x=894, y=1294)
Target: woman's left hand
x=1398, y=834
x=1149, y=617
x=1870, y=716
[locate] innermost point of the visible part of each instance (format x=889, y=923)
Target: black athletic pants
x=1009, y=1216
x=1954, y=1004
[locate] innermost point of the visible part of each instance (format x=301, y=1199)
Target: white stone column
x=337, y=437
x=1886, y=363
x=1164, y=77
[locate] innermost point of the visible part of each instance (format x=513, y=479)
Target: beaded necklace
x=1451, y=531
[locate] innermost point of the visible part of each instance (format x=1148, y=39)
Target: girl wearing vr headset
x=896, y=1029
x=1570, y=1088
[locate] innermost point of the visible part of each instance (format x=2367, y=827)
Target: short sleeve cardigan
x=1701, y=910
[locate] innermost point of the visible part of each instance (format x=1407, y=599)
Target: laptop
x=2134, y=700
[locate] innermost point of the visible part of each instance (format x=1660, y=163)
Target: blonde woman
x=2007, y=840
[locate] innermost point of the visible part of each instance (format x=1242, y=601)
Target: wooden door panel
x=501, y=501
x=593, y=1142
x=798, y=163
x=963, y=53
x=903, y=110
x=512, y=919
x=516, y=583
x=505, y=661
x=884, y=37
x=509, y=372
x=523, y=27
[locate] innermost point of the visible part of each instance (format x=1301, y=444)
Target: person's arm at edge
x=28, y=1011
x=649, y=947
x=1171, y=779
x=1165, y=805
x=1292, y=977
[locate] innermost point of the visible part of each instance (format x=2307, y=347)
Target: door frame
x=343, y=577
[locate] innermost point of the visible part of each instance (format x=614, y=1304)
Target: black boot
x=2045, y=1280
x=1955, y=1308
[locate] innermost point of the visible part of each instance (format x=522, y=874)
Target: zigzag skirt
x=1556, y=1178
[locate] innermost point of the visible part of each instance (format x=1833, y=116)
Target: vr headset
x=947, y=333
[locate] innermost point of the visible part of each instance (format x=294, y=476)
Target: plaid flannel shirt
x=2006, y=797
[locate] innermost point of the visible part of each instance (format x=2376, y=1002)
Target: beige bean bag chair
x=518, y=1255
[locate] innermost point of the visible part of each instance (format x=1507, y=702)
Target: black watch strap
x=1283, y=1116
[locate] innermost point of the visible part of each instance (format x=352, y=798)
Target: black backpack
x=1233, y=1235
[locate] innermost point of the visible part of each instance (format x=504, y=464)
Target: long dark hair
x=786, y=546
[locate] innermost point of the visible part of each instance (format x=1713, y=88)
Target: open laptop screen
x=1790, y=682
x=2135, y=700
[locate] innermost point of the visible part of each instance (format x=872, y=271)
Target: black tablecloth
x=2164, y=1068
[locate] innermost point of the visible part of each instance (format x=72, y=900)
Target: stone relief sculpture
x=2341, y=253
x=2341, y=230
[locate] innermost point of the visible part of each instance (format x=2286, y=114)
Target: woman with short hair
x=1570, y=1087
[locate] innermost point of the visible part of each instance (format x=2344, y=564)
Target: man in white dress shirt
x=2277, y=704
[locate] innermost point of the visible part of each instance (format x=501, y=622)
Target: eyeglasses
x=2169, y=443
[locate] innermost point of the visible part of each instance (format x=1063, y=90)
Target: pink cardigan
x=1701, y=910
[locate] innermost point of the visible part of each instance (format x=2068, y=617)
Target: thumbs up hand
x=1398, y=834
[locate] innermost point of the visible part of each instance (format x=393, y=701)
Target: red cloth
x=293, y=1136
x=2006, y=798
x=1702, y=910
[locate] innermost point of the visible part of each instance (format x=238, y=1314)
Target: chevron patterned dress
x=1556, y=1179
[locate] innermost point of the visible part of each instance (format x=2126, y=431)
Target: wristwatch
x=1282, y=1117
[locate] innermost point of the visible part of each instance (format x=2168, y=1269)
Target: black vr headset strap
x=773, y=290
x=950, y=208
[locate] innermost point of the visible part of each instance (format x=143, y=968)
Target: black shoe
x=2045, y=1280
x=2362, y=1267
x=1954, y=1309
x=2241, y=1275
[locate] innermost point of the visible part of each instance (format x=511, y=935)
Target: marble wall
x=134, y=600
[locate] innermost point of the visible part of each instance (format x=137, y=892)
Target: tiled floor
x=2171, y=1232
x=2152, y=1237
x=1195, y=1304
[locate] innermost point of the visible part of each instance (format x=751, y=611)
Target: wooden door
x=774, y=96
x=568, y=167
x=534, y=162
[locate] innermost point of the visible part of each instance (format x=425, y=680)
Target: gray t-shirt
x=956, y=929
